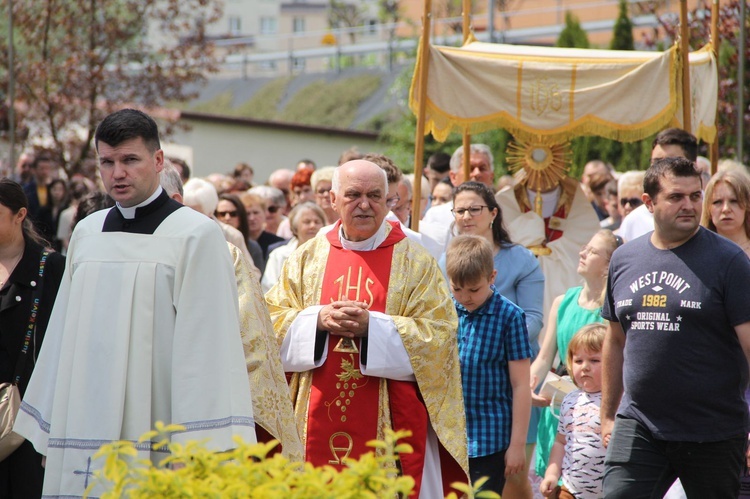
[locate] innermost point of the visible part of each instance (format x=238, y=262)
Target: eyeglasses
x=223, y=214
x=391, y=202
x=474, y=211
x=272, y=209
x=634, y=202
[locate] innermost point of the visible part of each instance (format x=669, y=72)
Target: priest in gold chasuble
x=368, y=330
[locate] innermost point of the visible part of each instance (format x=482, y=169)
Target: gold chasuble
x=338, y=409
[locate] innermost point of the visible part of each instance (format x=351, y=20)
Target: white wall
x=219, y=146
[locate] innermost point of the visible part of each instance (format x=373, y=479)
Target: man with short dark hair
x=437, y=168
x=669, y=143
x=438, y=220
x=364, y=317
x=676, y=350
x=145, y=327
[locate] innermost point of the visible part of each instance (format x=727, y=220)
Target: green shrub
x=248, y=472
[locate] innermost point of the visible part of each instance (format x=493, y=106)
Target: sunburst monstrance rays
x=538, y=166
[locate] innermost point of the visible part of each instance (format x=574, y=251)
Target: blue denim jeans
x=638, y=465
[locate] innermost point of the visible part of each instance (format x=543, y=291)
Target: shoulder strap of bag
x=36, y=298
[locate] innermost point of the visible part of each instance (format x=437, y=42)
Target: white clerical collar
x=129, y=212
x=368, y=244
x=549, y=201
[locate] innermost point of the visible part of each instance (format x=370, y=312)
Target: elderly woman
x=21, y=261
x=725, y=207
x=306, y=219
x=321, y=183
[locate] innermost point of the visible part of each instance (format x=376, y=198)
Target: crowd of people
x=305, y=309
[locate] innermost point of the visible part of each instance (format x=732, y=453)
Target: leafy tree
x=572, y=35
x=78, y=60
x=729, y=26
x=343, y=14
x=624, y=156
x=623, y=35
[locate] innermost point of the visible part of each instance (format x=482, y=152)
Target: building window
x=298, y=64
x=372, y=26
x=235, y=25
x=298, y=25
x=268, y=26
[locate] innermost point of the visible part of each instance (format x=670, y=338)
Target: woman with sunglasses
x=519, y=279
x=579, y=306
x=231, y=211
x=629, y=192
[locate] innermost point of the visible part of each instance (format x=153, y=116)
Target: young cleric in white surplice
x=145, y=329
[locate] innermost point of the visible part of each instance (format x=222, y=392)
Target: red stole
x=343, y=411
x=552, y=224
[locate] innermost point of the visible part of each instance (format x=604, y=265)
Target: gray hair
x=407, y=183
x=631, y=179
x=170, y=180
x=272, y=195
x=321, y=174
x=201, y=193
x=336, y=182
x=297, y=211
x=458, y=155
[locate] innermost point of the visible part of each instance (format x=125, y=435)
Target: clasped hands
x=345, y=318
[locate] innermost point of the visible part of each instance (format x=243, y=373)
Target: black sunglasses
x=634, y=202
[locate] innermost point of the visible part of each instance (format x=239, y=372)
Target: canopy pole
x=714, y=150
x=466, y=165
x=424, y=51
x=741, y=106
x=684, y=50
x=11, y=92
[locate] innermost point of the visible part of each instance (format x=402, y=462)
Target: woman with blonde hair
x=579, y=306
x=725, y=207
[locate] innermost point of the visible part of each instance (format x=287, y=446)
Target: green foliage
x=623, y=156
x=398, y=138
x=264, y=104
x=220, y=104
x=248, y=472
x=333, y=104
x=622, y=39
x=78, y=60
x=572, y=35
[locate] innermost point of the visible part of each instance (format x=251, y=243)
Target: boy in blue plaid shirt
x=493, y=346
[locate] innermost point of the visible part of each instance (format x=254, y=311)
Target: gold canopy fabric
x=554, y=94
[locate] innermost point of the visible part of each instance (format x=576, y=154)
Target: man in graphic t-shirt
x=675, y=355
